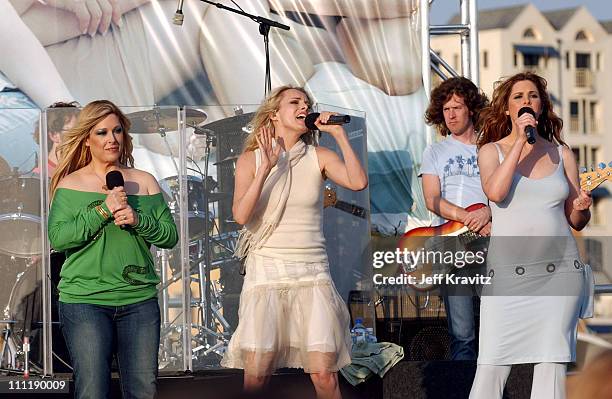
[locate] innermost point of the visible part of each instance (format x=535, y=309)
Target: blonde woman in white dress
x=290, y=312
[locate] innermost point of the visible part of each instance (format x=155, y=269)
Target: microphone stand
x=264, y=29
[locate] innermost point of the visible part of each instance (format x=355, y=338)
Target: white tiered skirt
x=290, y=316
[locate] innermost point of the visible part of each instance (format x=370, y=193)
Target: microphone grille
x=527, y=110
x=178, y=18
x=114, y=178
x=310, y=121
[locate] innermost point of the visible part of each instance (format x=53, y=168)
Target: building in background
x=570, y=48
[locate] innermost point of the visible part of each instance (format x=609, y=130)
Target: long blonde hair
x=74, y=154
x=263, y=116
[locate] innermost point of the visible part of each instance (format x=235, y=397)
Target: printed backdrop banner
x=355, y=54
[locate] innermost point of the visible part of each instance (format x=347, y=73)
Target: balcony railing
x=584, y=78
x=574, y=124
x=593, y=125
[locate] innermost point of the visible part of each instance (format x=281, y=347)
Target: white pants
x=548, y=381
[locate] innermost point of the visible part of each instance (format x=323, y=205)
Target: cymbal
x=231, y=158
x=149, y=124
x=151, y=121
x=233, y=124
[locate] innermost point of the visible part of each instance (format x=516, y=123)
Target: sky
x=443, y=10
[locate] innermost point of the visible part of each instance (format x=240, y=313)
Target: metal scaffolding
x=468, y=33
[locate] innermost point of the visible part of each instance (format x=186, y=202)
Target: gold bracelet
x=102, y=212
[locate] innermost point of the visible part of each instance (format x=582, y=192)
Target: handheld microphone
x=114, y=178
x=178, y=15
x=530, y=131
x=333, y=120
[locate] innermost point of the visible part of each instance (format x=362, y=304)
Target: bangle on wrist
x=105, y=215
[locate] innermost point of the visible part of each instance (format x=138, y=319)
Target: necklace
x=104, y=187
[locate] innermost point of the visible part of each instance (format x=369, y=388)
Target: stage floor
x=220, y=385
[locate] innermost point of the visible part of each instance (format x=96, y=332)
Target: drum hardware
x=231, y=158
x=21, y=315
x=196, y=207
x=207, y=252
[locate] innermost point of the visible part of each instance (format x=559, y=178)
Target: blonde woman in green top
x=108, y=295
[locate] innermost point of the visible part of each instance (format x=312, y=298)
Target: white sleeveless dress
x=290, y=313
x=530, y=311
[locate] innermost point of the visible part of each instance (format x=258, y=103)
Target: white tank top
x=299, y=234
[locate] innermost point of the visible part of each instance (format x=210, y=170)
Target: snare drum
x=196, y=209
x=20, y=233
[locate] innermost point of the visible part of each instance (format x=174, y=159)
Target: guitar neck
x=355, y=210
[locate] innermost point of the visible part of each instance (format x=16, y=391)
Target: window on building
x=583, y=60
x=485, y=59
x=597, y=218
x=598, y=61
x=593, y=156
x=586, y=155
x=529, y=33
x=531, y=61
x=574, y=117
x=584, y=75
x=567, y=60
x=576, y=151
x=593, y=117
x=515, y=55
x=582, y=35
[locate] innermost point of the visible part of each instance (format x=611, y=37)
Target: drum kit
x=210, y=247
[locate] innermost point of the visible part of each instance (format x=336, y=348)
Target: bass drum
x=20, y=233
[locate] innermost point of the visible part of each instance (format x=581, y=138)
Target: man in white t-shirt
x=451, y=182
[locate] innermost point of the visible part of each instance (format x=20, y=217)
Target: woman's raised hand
x=269, y=154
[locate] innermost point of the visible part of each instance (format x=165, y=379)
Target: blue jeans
x=461, y=326
x=94, y=332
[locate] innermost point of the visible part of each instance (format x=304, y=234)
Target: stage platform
x=407, y=380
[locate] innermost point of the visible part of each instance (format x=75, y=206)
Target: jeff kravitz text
x=411, y=261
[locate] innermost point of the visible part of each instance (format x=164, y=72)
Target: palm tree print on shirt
x=459, y=165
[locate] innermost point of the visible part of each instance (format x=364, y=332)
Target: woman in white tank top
x=530, y=311
x=290, y=312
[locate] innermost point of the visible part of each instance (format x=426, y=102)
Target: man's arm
x=438, y=205
x=474, y=220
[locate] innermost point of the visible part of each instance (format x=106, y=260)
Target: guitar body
x=450, y=228
x=433, y=238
